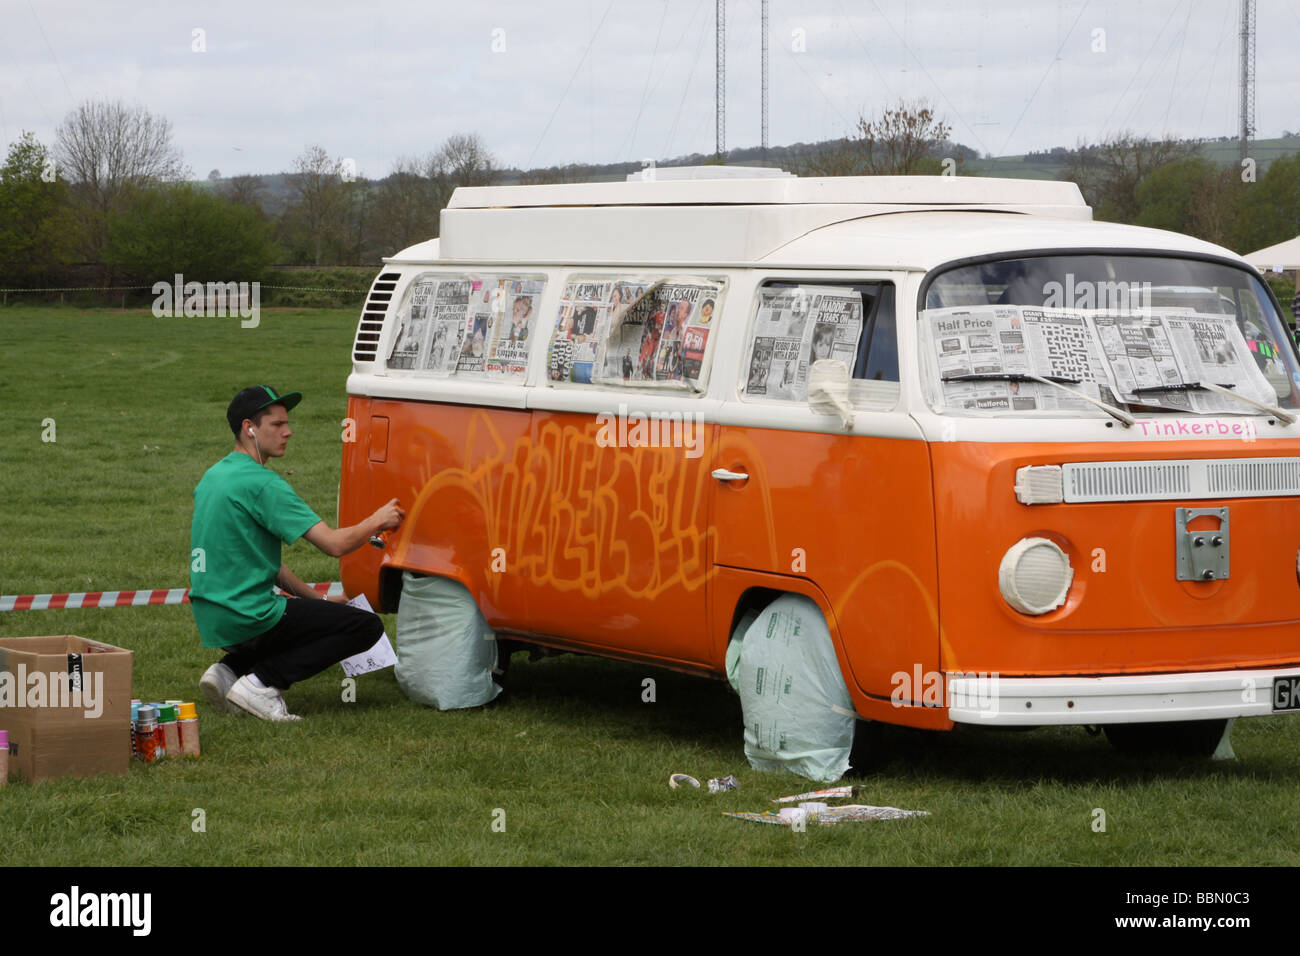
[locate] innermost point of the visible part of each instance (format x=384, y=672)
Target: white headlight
x=1035, y=575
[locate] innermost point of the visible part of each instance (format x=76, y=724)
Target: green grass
x=574, y=758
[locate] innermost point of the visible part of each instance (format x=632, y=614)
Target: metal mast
x=1246, y=85
x=721, y=79
x=764, y=34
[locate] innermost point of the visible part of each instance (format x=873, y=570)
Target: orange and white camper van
x=1033, y=469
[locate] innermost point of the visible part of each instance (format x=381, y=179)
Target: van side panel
x=460, y=473
x=854, y=516
x=616, y=548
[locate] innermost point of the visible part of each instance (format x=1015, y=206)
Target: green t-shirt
x=242, y=511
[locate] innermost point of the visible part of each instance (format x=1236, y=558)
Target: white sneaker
x=264, y=702
x=215, y=684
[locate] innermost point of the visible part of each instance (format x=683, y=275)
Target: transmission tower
x=763, y=31
x=721, y=79
x=1246, y=85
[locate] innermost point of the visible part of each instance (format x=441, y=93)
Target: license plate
x=1286, y=693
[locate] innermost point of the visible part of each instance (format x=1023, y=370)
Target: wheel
x=1189, y=738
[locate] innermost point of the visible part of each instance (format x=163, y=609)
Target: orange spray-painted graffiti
x=568, y=511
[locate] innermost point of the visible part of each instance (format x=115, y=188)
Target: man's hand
x=389, y=516
x=341, y=541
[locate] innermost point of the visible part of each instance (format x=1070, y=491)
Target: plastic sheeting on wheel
x=798, y=715
x=445, y=650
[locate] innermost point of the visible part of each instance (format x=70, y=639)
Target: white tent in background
x=1285, y=255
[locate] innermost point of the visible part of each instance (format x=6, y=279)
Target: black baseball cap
x=252, y=400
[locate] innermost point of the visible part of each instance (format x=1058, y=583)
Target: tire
x=1189, y=738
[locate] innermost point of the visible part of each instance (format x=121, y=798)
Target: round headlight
x=1035, y=575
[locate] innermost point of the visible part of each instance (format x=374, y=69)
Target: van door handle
x=723, y=474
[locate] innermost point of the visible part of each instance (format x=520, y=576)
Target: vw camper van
x=1033, y=469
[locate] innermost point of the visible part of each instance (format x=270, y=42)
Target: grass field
x=574, y=759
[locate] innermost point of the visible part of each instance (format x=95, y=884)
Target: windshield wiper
x=1010, y=377
x=1124, y=418
x=1273, y=410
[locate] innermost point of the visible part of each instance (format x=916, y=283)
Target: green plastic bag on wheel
x=797, y=711
x=445, y=650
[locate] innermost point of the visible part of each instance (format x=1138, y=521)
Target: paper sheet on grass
x=375, y=659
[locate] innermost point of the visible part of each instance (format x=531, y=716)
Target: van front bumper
x=1032, y=701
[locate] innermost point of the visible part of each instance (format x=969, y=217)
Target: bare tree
x=907, y=139
x=408, y=202
x=107, y=149
x=245, y=191
x=1108, y=172
x=324, y=200
x=406, y=206
x=463, y=160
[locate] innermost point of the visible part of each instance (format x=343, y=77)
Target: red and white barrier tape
x=53, y=602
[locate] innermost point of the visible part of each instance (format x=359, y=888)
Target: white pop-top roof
x=1026, y=194
x=911, y=222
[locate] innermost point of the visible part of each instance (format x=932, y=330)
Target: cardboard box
x=66, y=702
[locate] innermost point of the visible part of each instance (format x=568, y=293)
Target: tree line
x=110, y=202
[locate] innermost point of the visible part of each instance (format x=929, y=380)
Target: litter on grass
x=723, y=784
x=829, y=793
x=831, y=815
x=681, y=779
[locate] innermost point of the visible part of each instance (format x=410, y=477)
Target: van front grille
x=366, y=346
x=1188, y=478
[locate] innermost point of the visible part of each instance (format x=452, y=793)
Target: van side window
x=468, y=325
x=637, y=330
x=798, y=323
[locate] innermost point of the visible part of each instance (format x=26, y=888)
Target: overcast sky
x=248, y=85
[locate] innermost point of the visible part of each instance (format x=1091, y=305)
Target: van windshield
x=1144, y=333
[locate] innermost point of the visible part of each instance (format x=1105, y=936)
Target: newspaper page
x=412, y=325
x=584, y=316
x=518, y=300
x=1108, y=354
x=662, y=337
x=471, y=325
x=1015, y=340
x=478, y=317
x=795, y=327
x=1211, y=348
x=1140, y=355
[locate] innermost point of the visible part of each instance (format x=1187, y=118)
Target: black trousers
x=311, y=636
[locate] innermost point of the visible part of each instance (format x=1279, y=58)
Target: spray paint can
x=146, y=734
x=135, y=715
x=189, y=727
x=4, y=757
x=171, y=733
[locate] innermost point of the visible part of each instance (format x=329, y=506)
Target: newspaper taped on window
x=1117, y=357
x=638, y=330
x=794, y=328
x=474, y=326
